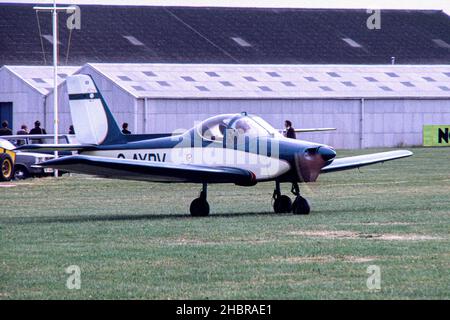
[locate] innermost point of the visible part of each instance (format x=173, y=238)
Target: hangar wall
x=168, y=115
x=385, y=123
x=63, y=111
x=360, y=123
x=398, y=122
x=27, y=103
x=121, y=104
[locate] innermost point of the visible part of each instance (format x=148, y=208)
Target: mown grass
x=136, y=240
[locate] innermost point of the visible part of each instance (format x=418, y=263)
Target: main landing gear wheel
x=281, y=203
x=200, y=206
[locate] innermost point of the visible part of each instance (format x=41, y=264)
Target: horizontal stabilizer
x=365, y=160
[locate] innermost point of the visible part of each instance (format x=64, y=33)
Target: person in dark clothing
x=290, y=131
x=71, y=129
x=125, y=128
x=4, y=130
x=37, y=130
x=23, y=130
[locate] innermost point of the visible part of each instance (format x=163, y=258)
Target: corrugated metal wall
x=28, y=104
x=120, y=103
x=169, y=115
x=387, y=123
x=400, y=122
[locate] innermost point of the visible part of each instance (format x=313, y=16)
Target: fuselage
x=268, y=158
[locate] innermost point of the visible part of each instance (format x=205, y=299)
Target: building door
x=6, y=113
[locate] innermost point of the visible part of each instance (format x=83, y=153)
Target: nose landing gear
x=283, y=204
x=300, y=205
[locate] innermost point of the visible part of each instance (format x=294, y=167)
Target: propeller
x=310, y=162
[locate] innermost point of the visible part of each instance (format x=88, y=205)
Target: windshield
x=215, y=128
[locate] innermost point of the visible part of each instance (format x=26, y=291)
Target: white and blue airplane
x=242, y=149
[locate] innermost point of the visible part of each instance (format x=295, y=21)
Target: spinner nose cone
x=327, y=153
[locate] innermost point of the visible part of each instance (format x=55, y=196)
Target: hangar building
x=23, y=94
x=161, y=68
x=371, y=106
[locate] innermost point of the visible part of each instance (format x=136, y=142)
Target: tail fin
x=91, y=117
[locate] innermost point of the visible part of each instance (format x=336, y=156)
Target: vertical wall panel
x=342, y=114
x=388, y=122
x=402, y=121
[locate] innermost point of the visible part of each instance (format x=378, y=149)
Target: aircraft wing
x=151, y=171
x=53, y=147
x=37, y=136
x=309, y=130
x=365, y=160
x=314, y=129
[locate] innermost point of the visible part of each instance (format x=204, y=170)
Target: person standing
x=37, y=130
x=23, y=130
x=4, y=130
x=125, y=128
x=290, y=131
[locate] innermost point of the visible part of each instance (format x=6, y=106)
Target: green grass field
x=136, y=240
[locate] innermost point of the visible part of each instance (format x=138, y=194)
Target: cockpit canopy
x=215, y=128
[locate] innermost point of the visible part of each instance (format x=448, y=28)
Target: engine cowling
x=310, y=161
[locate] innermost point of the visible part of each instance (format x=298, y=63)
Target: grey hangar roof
x=276, y=81
x=40, y=78
x=228, y=81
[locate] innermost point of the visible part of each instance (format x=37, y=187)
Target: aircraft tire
x=300, y=206
x=199, y=208
x=282, y=204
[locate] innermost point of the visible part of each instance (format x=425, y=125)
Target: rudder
x=91, y=117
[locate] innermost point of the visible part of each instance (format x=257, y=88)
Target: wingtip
x=407, y=153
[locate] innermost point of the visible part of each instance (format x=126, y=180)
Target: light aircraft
x=242, y=149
